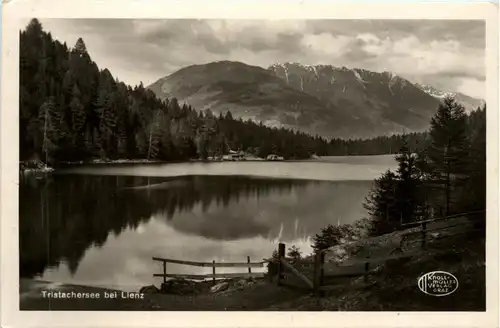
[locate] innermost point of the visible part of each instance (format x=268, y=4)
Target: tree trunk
x=447, y=183
x=447, y=194
x=45, y=137
x=150, y=142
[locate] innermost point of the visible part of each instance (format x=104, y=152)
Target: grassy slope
x=394, y=285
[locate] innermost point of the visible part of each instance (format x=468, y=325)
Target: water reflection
x=90, y=228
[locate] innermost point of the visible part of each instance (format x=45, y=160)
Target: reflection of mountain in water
x=61, y=217
x=287, y=216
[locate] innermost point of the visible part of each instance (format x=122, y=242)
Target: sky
x=446, y=54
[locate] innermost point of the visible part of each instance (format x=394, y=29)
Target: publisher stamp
x=438, y=283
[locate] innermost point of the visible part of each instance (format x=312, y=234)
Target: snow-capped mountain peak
x=435, y=92
x=312, y=77
x=468, y=102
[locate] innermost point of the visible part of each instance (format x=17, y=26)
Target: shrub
x=294, y=252
x=331, y=235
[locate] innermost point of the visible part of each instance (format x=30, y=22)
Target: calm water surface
x=101, y=225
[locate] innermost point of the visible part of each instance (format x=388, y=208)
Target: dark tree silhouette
x=449, y=149
x=452, y=161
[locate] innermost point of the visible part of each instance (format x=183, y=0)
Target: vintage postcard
x=262, y=164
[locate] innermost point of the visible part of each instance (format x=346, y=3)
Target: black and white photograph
x=219, y=164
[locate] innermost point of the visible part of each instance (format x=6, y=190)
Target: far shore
x=38, y=167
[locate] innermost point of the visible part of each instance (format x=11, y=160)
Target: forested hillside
x=71, y=110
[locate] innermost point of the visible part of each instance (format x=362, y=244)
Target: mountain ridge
x=470, y=103
x=318, y=99
x=425, y=87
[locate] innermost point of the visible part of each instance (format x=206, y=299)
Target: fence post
x=164, y=271
x=320, y=272
x=317, y=263
x=281, y=257
x=249, y=268
x=213, y=271
x=424, y=233
x=321, y=267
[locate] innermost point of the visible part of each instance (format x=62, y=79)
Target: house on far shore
x=234, y=156
x=273, y=157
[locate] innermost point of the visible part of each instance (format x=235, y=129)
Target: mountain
x=470, y=104
x=322, y=99
x=381, y=103
x=249, y=92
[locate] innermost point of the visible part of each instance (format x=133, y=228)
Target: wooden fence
x=312, y=273
x=422, y=235
x=212, y=265
x=316, y=275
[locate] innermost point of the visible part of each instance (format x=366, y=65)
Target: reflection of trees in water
x=62, y=216
x=207, y=190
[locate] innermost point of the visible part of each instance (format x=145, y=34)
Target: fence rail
x=417, y=223
x=208, y=276
x=424, y=231
x=297, y=273
x=212, y=265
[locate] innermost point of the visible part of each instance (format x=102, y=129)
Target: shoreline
x=386, y=278
x=38, y=167
x=175, y=295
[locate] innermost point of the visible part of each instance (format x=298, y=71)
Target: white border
x=10, y=315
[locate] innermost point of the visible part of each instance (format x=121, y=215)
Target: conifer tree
x=382, y=204
x=473, y=195
x=410, y=196
x=294, y=252
x=80, y=47
x=154, y=136
x=50, y=129
x=330, y=236
x=448, y=151
x=77, y=111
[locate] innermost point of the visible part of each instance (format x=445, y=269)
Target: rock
x=34, y=166
x=149, y=290
x=378, y=269
x=179, y=287
x=358, y=280
x=240, y=284
x=396, y=251
x=166, y=287
x=219, y=287
x=250, y=281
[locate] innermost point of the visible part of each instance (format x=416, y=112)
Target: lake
x=100, y=225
